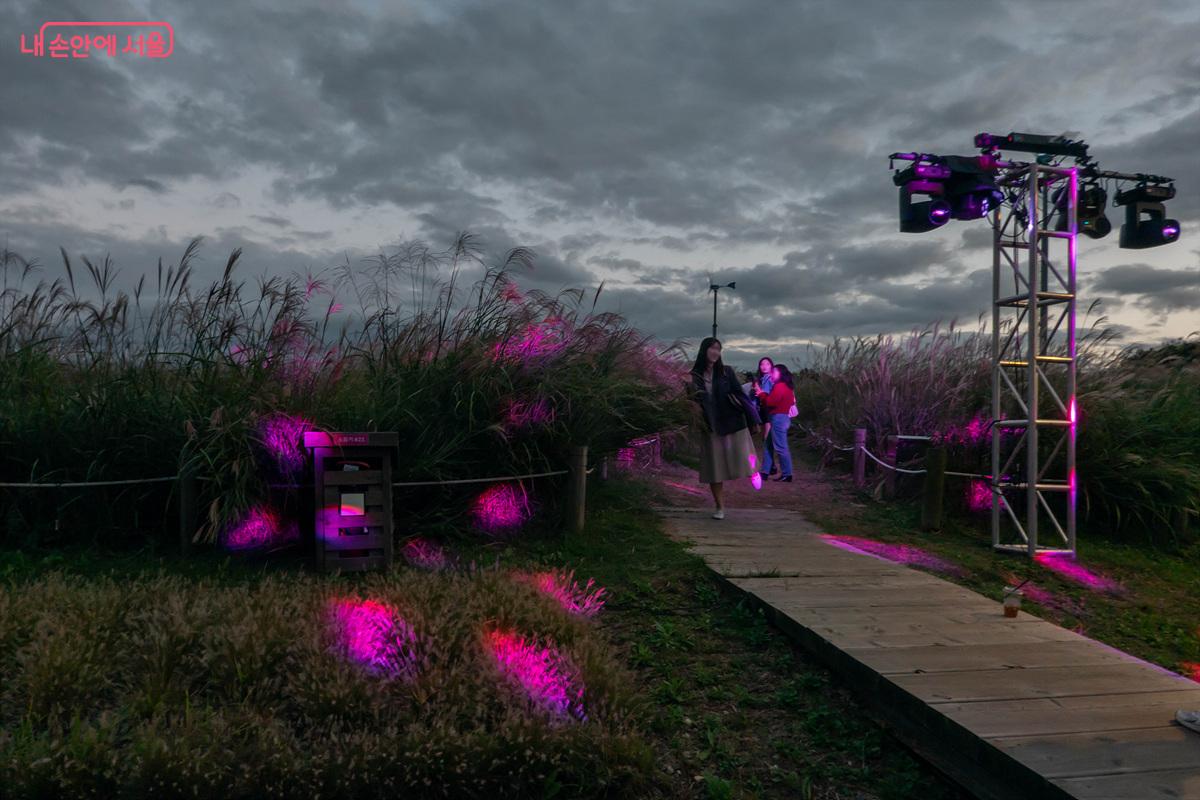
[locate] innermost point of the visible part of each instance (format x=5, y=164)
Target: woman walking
x=778, y=402
x=764, y=381
x=726, y=449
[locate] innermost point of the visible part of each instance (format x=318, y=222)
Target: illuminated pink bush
x=374, y=635
x=537, y=341
x=523, y=414
x=898, y=553
x=979, y=495
x=546, y=676
x=282, y=435
x=1191, y=669
x=585, y=601
x=261, y=526
x=501, y=509
x=1065, y=566
x=426, y=554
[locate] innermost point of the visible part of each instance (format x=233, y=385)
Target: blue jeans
x=777, y=445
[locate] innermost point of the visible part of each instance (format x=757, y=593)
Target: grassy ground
x=736, y=711
x=703, y=699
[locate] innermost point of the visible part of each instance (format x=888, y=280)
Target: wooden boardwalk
x=1008, y=708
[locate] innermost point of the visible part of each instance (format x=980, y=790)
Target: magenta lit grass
x=1065, y=566
x=373, y=635
x=425, y=554
x=261, y=527
x=501, y=510
x=545, y=675
x=897, y=553
x=581, y=600
x=282, y=436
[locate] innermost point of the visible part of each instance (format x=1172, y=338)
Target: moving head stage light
x=960, y=187
x=1146, y=222
x=1089, y=214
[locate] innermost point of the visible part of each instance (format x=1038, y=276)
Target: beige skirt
x=726, y=458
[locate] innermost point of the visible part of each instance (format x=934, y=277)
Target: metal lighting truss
x=1033, y=361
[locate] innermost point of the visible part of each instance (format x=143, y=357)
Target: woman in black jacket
x=726, y=450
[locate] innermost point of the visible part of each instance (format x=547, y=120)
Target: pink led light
x=898, y=553
x=1072, y=411
x=546, y=675
x=374, y=635
x=282, y=435
x=426, y=554
x=584, y=601
x=1191, y=669
x=1063, y=565
x=260, y=527
x=501, y=509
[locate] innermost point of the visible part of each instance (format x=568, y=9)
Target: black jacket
x=728, y=409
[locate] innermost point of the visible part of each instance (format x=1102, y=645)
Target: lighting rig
x=1037, y=209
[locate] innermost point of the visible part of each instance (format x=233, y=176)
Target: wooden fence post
x=577, y=491
x=860, y=458
x=934, y=492
x=892, y=444
x=187, y=507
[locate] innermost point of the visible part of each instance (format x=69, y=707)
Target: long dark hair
x=702, y=357
x=758, y=372
x=785, y=376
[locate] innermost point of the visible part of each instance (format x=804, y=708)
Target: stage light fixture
x=1146, y=221
x=922, y=178
x=1089, y=212
x=971, y=189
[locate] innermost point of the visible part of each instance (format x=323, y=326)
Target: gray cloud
x=752, y=136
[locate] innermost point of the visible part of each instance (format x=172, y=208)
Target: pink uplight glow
x=260, y=527
x=584, y=601
x=426, y=554
x=283, y=437
x=374, y=635
x=547, y=676
x=539, y=340
x=522, y=414
x=897, y=553
x=755, y=475
x=501, y=509
x=979, y=495
x=1065, y=566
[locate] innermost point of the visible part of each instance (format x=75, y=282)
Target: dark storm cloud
x=1158, y=290
x=680, y=126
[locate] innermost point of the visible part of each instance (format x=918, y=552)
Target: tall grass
x=103, y=383
x=1138, y=457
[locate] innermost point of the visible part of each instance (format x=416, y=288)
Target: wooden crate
x=352, y=481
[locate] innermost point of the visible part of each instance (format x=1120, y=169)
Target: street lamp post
x=714, y=288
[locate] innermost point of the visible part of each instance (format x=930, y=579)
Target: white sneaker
x=719, y=514
x=1189, y=719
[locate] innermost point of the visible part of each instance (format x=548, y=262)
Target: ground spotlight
x=1146, y=222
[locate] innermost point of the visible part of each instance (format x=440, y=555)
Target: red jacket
x=780, y=399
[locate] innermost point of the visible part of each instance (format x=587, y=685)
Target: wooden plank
x=1012, y=684
x=1078, y=755
x=1156, y=785
x=1091, y=713
x=910, y=660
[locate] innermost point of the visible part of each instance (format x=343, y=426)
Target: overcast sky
x=645, y=144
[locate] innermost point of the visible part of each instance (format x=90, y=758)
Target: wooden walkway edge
x=1007, y=708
